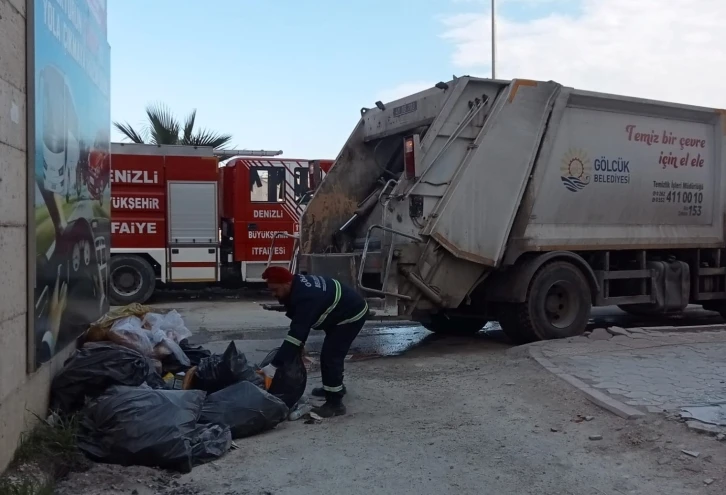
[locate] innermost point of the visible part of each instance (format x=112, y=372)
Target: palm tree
x=164, y=128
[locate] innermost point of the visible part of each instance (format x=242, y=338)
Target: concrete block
x=12, y=46
x=13, y=354
x=20, y=6
x=618, y=331
x=13, y=176
x=30, y=397
x=707, y=429
x=13, y=118
x=13, y=247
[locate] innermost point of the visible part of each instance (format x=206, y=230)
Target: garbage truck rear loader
x=524, y=202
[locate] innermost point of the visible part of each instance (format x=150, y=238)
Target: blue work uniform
x=324, y=304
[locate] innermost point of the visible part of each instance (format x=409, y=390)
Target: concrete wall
x=21, y=394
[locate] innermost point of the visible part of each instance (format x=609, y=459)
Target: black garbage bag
x=219, y=371
x=95, y=367
x=195, y=354
x=145, y=427
x=290, y=380
x=245, y=408
x=171, y=363
x=210, y=442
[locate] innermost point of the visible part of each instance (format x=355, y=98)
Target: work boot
x=333, y=406
x=320, y=392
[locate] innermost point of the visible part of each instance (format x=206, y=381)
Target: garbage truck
x=524, y=202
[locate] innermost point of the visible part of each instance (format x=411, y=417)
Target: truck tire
x=132, y=280
x=519, y=333
x=453, y=325
x=558, y=303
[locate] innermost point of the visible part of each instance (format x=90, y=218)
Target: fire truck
x=181, y=218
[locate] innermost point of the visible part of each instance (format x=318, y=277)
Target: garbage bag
x=210, y=442
x=165, y=347
x=195, y=354
x=245, y=408
x=145, y=427
x=93, y=368
x=128, y=332
x=290, y=380
x=98, y=330
x=219, y=371
x=170, y=324
x=131, y=332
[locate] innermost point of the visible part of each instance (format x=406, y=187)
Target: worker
x=324, y=304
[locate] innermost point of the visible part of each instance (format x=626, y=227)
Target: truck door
x=193, y=232
x=271, y=210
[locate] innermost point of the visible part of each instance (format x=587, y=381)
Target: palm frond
x=204, y=137
x=128, y=131
x=163, y=126
x=189, y=126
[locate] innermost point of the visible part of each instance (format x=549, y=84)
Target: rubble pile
x=146, y=397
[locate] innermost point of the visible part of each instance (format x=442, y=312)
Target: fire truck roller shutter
x=193, y=231
x=132, y=280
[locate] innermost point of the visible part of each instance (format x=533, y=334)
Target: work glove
x=267, y=373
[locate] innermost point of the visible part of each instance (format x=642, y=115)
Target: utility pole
x=494, y=40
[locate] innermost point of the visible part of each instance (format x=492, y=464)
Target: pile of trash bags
x=146, y=397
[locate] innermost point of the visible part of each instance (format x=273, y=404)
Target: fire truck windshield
x=267, y=184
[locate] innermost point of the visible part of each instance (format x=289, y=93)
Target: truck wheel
x=518, y=332
x=453, y=325
x=558, y=302
x=132, y=280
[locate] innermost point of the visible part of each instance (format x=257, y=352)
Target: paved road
x=249, y=300
x=215, y=320
x=653, y=371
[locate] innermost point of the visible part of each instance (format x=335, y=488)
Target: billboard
x=69, y=132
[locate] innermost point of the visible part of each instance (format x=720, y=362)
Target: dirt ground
x=455, y=416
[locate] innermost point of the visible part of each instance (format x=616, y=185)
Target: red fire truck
x=178, y=217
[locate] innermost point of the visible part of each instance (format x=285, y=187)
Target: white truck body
x=479, y=185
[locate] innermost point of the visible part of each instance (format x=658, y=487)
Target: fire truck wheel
x=516, y=331
x=453, y=325
x=132, y=280
x=558, y=302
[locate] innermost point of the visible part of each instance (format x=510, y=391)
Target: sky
x=293, y=75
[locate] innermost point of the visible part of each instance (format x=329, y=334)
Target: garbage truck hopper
x=524, y=202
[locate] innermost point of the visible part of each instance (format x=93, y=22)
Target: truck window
x=267, y=184
x=302, y=184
